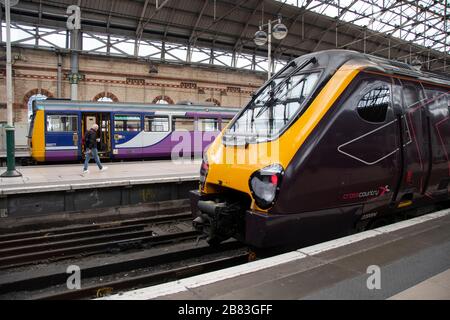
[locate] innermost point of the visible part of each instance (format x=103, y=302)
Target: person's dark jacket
x=90, y=139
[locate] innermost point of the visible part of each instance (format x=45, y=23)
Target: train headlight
x=264, y=185
x=203, y=172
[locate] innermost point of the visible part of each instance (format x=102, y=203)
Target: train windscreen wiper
x=282, y=84
x=287, y=66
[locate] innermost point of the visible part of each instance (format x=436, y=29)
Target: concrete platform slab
x=37, y=179
x=434, y=288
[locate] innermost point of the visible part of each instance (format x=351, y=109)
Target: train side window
x=374, y=104
x=225, y=122
x=127, y=123
x=62, y=123
x=412, y=95
x=183, y=123
x=438, y=98
x=208, y=124
x=156, y=124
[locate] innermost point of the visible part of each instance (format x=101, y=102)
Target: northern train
x=332, y=143
x=126, y=130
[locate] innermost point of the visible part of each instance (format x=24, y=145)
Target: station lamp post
x=278, y=31
x=10, y=145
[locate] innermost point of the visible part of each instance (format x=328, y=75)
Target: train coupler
x=218, y=220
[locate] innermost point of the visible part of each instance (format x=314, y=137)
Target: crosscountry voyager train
x=127, y=131
x=359, y=138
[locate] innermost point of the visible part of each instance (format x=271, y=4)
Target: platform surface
x=406, y=260
x=46, y=178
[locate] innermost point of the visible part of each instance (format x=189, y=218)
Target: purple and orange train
x=354, y=139
x=127, y=131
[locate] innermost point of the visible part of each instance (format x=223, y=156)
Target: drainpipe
x=59, y=76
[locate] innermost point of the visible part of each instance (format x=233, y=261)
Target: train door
x=438, y=121
x=127, y=138
x=184, y=128
x=104, y=131
x=207, y=130
x=367, y=137
x=415, y=143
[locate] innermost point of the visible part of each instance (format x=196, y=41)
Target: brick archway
x=33, y=92
x=163, y=97
x=107, y=95
x=215, y=101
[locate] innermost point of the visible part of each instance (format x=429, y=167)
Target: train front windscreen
x=271, y=110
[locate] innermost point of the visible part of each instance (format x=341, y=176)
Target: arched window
x=106, y=97
x=163, y=100
x=215, y=101
x=32, y=95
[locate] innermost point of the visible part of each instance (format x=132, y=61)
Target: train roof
x=67, y=105
x=331, y=60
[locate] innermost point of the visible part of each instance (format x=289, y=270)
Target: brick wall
x=124, y=80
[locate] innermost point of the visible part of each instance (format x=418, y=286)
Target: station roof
x=397, y=29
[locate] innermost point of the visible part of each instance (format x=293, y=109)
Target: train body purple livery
x=354, y=139
x=127, y=131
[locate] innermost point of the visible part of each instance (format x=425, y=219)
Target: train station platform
x=61, y=188
x=46, y=178
x=405, y=260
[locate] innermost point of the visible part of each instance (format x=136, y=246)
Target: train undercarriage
x=219, y=216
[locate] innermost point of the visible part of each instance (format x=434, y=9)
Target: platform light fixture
x=260, y=37
x=279, y=32
x=11, y=171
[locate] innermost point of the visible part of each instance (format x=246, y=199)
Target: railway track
x=111, y=287
x=134, y=270
x=125, y=252
x=61, y=243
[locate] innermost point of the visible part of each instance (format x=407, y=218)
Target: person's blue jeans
x=94, y=153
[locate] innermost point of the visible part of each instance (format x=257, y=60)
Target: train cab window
x=374, y=104
x=208, y=125
x=62, y=123
x=127, y=123
x=156, y=124
x=273, y=108
x=183, y=123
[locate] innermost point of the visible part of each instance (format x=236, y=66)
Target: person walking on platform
x=90, y=147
